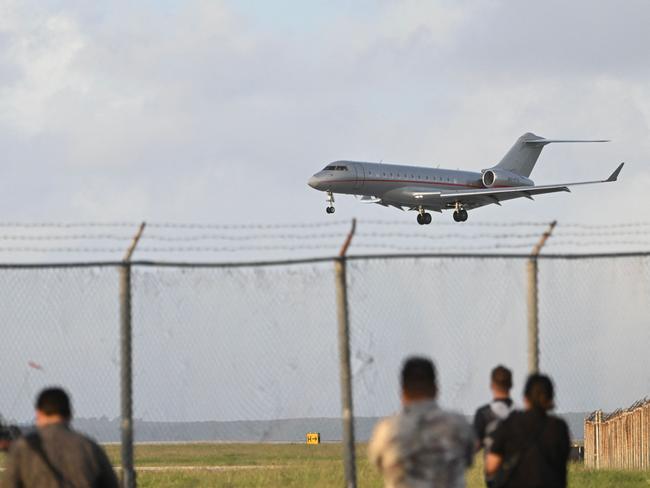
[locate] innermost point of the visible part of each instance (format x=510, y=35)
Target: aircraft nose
x=313, y=182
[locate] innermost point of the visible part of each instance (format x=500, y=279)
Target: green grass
x=299, y=465
x=580, y=477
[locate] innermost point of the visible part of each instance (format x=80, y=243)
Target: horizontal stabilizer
x=548, y=141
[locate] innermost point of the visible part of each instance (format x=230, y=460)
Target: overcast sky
x=220, y=110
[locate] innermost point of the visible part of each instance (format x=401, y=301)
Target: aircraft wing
x=485, y=196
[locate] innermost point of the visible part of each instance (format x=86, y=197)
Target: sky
x=219, y=111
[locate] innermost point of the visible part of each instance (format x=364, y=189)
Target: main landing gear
x=330, y=203
x=423, y=217
x=460, y=214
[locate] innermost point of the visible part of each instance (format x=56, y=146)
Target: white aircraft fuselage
x=425, y=189
x=386, y=182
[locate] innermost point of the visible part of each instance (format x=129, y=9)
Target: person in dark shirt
x=488, y=417
x=55, y=455
x=530, y=449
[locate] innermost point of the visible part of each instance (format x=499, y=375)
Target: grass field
x=295, y=465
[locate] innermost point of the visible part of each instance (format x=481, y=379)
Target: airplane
x=425, y=189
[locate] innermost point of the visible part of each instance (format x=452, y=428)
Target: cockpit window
x=336, y=168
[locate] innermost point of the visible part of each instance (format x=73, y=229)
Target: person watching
x=488, y=417
x=55, y=456
x=423, y=445
x=530, y=449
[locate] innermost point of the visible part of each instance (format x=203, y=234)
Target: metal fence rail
x=619, y=440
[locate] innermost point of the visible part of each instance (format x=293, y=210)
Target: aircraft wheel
x=330, y=210
x=420, y=220
x=463, y=215
x=457, y=217
x=426, y=218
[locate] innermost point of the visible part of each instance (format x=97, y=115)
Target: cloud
x=219, y=111
x=556, y=40
x=208, y=110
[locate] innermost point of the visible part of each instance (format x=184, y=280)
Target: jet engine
x=493, y=178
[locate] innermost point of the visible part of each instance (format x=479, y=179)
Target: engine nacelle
x=493, y=178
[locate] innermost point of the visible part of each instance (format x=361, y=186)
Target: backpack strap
x=35, y=443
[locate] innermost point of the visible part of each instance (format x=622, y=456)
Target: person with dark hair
x=8, y=434
x=488, y=417
x=423, y=445
x=55, y=456
x=530, y=449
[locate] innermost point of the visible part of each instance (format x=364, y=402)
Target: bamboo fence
x=619, y=440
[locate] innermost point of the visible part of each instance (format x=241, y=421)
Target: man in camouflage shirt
x=422, y=446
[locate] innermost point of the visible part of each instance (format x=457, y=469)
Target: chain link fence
x=249, y=352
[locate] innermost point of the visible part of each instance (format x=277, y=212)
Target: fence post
x=533, y=302
x=126, y=370
x=343, y=317
x=597, y=450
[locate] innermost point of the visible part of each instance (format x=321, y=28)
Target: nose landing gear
x=423, y=217
x=330, y=203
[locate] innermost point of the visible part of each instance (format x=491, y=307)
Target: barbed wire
x=199, y=249
x=313, y=247
x=560, y=234
x=562, y=242
x=437, y=223
x=172, y=225
x=303, y=225
x=291, y=225
x=603, y=225
x=65, y=225
x=31, y=249
x=593, y=233
x=64, y=237
x=292, y=236
x=170, y=238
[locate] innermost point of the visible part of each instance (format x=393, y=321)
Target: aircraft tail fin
x=522, y=156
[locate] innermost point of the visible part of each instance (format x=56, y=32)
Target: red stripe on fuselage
x=419, y=182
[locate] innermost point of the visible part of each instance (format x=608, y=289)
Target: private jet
x=425, y=189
